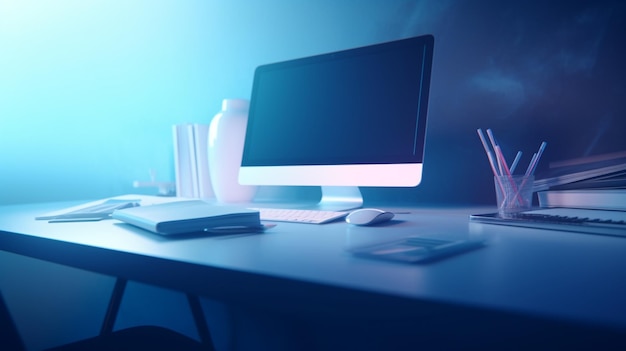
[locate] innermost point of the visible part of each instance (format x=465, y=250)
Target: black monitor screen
x=360, y=106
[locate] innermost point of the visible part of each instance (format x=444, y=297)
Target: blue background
x=89, y=91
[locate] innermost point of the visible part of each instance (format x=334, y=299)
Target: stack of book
x=594, y=182
x=191, y=161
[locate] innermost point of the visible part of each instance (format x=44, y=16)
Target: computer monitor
x=341, y=120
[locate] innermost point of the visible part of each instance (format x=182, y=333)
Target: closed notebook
x=191, y=216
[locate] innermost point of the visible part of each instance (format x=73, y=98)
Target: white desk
x=525, y=285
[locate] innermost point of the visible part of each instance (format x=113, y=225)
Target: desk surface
x=578, y=278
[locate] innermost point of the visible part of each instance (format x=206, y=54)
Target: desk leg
x=9, y=337
x=201, y=324
x=114, y=306
x=194, y=304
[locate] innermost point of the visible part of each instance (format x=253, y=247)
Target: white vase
x=227, y=132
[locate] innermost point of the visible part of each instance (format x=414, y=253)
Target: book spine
x=191, y=149
x=587, y=199
x=201, y=137
x=182, y=161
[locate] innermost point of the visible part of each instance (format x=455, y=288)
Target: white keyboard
x=299, y=216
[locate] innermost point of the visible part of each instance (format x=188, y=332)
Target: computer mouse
x=368, y=216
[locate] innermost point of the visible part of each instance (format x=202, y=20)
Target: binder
x=192, y=216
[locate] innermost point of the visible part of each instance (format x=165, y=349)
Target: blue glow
x=89, y=90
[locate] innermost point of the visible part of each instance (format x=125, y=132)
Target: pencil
x=516, y=161
x=535, y=160
x=494, y=144
x=488, y=151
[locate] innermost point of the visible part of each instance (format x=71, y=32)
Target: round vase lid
x=235, y=105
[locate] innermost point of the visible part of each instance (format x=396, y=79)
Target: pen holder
x=513, y=194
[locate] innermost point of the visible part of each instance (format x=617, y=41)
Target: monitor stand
x=340, y=198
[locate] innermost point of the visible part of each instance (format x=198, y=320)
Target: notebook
x=605, y=222
x=192, y=216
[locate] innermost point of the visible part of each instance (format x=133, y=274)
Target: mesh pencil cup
x=513, y=194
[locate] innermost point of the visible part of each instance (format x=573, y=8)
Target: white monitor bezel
x=370, y=175
x=407, y=174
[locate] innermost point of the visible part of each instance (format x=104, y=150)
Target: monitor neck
x=340, y=198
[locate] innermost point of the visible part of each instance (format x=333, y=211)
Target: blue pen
x=533, y=166
x=516, y=161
